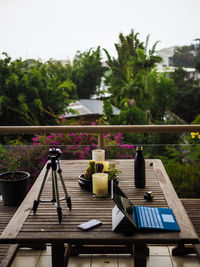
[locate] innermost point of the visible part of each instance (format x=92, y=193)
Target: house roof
x=88, y=107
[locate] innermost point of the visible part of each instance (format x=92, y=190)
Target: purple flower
x=51, y=136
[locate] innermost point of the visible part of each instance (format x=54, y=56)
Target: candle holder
x=100, y=184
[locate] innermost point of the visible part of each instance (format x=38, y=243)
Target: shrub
x=80, y=146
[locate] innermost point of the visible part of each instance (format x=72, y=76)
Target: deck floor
x=6, y=213
x=159, y=256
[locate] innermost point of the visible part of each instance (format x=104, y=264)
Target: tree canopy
x=187, y=96
x=30, y=94
x=87, y=71
x=132, y=78
x=186, y=56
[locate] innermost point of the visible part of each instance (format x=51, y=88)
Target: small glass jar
x=100, y=184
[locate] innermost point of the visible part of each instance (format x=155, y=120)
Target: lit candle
x=100, y=184
x=98, y=155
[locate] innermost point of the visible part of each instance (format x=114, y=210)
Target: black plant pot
x=14, y=191
x=87, y=183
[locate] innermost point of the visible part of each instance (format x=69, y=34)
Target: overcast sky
x=44, y=29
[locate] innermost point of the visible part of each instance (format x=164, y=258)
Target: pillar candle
x=100, y=184
x=98, y=155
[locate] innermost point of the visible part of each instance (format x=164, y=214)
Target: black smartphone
x=89, y=225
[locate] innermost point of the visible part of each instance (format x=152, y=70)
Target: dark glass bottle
x=139, y=168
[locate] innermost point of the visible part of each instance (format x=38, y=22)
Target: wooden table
x=27, y=228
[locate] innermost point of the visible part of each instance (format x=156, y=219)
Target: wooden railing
x=101, y=130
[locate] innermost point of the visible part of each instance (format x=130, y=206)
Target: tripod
x=53, y=163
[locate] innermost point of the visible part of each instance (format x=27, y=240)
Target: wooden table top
x=25, y=227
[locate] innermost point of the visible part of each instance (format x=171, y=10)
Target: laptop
x=132, y=218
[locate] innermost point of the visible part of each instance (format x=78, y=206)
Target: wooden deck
x=192, y=206
x=7, y=252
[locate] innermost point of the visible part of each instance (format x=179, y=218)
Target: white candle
x=98, y=155
x=100, y=184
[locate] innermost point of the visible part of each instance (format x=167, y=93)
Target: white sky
x=44, y=29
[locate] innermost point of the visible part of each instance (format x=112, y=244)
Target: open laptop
x=140, y=217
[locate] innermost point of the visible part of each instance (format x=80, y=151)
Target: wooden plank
x=192, y=207
x=187, y=229
x=7, y=252
x=9, y=255
x=100, y=129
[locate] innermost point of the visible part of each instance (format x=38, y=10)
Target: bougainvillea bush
x=80, y=146
x=32, y=158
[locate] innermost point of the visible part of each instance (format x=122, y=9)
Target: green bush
x=185, y=179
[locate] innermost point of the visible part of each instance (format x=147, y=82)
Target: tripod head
x=54, y=153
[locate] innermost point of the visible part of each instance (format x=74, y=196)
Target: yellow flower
x=193, y=134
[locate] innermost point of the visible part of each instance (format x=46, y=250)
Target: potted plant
x=85, y=179
x=13, y=181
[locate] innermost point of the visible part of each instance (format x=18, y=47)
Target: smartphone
x=89, y=225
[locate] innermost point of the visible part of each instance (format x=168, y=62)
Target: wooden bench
x=192, y=206
x=7, y=252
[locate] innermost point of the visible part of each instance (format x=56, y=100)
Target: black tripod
x=54, y=164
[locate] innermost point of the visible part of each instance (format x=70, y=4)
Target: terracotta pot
x=14, y=191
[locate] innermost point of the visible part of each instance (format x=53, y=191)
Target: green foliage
x=187, y=96
x=197, y=66
x=13, y=163
x=183, y=167
x=107, y=110
x=130, y=115
x=127, y=77
x=186, y=56
x=196, y=120
x=113, y=172
x=132, y=77
x=185, y=179
x=162, y=97
x=87, y=72
x=23, y=158
x=29, y=93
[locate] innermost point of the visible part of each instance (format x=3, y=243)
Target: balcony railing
x=101, y=130
x=180, y=160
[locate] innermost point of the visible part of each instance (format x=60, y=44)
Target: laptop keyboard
x=150, y=217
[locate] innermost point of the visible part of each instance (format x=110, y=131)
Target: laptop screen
x=123, y=203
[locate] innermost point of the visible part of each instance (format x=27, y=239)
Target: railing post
x=101, y=141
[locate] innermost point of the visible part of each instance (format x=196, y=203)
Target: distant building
x=89, y=109
x=167, y=63
x=166, y=54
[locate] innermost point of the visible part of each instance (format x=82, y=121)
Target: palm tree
x=128, y=73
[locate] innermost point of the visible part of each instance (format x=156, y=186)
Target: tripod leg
x=68, y=199
x=36, y=202
x=55, y=183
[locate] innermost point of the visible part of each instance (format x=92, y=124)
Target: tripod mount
x=53, y=163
